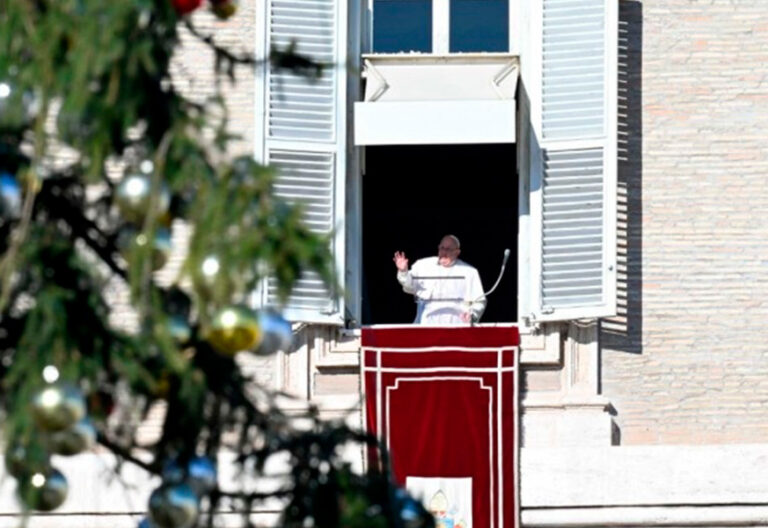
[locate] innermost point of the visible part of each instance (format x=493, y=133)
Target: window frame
x=441, y=27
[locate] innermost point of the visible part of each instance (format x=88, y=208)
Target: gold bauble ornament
x=129, y=240
x=233, y=329
x=73, y=440
x=133, y=195
x=173, y=506
x=224, y=9
x=43, y=491
x=57, y=407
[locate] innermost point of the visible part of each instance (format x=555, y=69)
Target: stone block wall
x=688, y=362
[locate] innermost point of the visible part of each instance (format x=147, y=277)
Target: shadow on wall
x=624, y=333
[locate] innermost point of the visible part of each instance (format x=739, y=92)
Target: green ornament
x=57, y=407
x=233, y=329
x=73, y=440
x=25, y=459
x=17, y=107
x=43, y=491
x=133, y=195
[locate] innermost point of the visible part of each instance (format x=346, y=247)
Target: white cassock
x=443, y=293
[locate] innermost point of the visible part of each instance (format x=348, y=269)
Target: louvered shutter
x=304, y=137
x=573, y=160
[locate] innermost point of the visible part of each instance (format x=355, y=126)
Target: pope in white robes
x=448, y=291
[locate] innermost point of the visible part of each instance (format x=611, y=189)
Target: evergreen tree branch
x=220, y=51
x=125, y=454
x=82, y=227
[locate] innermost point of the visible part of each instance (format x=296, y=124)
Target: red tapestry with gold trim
x=443, y=400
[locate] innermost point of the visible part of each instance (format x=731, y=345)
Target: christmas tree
x=102, y=159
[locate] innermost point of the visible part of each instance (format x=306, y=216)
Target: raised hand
x=400, y=261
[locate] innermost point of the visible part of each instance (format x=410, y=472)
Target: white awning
x=437, y=99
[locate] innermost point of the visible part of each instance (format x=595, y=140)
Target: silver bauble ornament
x=233, y=329
x=276, y=333
x=10, y=196
x=201, y=475
x=133, y=194
x=43, y=491
x=173, y=506
x=57, y=407
x=130, y=239
x=73, y=440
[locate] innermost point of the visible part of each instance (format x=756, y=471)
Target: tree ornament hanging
x=276, y=333
x=10, y=197
x=133, y=196
x=233, y=329
x=130, y=240
x=411, y=512
x=57, y=407
x=24, y=460
x=17, y=107
x=224, y=8
x=43, y=491
x=179, y=329
x=73, y=440
x=184, y=7
x=173, y=506
x=201, y=475
x=206, y=274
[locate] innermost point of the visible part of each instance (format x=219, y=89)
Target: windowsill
x=538, y=347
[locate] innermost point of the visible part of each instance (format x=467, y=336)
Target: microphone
x=498, y=280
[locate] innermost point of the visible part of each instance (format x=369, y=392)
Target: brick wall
x=689, y=364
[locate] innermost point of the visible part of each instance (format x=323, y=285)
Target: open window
x=415, y=194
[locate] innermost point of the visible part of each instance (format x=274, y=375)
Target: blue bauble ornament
x=201, y=475
x=276, y=333
x=411, y=512
x=10, y=196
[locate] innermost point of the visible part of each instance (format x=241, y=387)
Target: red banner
x=443, y=400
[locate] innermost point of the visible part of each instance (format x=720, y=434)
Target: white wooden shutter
x=304, y=136
x=572, y=146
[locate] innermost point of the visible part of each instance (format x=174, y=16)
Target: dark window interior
x=479, y=25
x=402, y=25
x=413, y=195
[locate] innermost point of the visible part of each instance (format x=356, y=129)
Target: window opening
x=413, y=195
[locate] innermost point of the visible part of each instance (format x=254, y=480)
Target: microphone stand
x=495, y=285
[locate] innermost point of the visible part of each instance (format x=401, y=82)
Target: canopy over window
x=437, y=99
